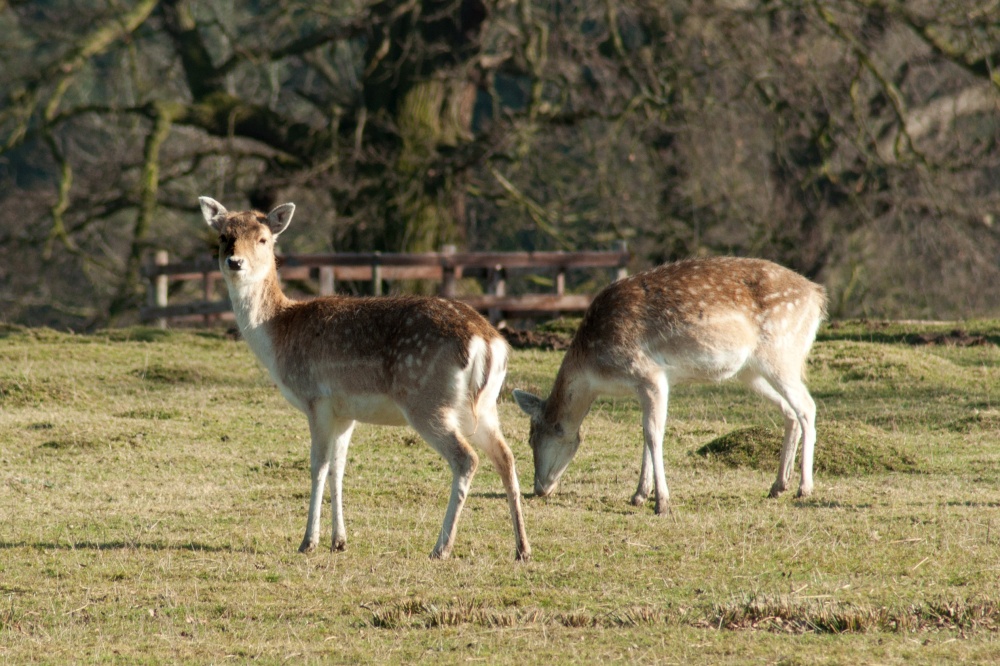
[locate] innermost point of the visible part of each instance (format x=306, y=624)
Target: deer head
x=553, y=444
x=246, y=239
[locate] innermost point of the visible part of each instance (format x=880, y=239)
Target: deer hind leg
x=489, y=438
x=653, y=399
x=797, y=400
x=793, y=432
x=797, y=395
x=342, y=441
x=331, y=438
x=443, y=436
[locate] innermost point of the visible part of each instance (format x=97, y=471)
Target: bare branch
x=58, y=209
x=148, y=189
x=888, y=87
x=21, y=104
x=929, y=31
x=939, y=114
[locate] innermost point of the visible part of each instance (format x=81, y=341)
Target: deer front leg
x=653, y=398
x=319, y=466
x=329, y=441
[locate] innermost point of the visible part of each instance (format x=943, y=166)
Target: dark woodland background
x=855, y=141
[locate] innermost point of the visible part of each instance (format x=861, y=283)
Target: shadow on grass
x=122, y=545
x=8, y=330
x=500, y=496
x=833, y=504
x=913, y=333
x=974, y=505
x=138, y=334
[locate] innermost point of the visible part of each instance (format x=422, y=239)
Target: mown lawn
x=153, y=491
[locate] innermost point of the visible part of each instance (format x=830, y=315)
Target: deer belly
x=706, y=366
x=369, y=408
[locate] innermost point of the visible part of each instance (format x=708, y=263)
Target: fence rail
x=445, y=267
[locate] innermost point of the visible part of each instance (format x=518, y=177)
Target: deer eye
x=262, y=241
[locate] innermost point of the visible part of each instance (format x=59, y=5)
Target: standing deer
x=435, y=364
x=696, y=320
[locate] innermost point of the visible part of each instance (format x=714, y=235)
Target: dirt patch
x=954, y=338
x=547, y=340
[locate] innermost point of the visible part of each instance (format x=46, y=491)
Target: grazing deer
x=435, y=364
x=695, y=320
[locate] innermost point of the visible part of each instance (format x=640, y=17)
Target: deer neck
x=255, y=304
x=571, y=398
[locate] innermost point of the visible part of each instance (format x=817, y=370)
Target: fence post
x=622, y=271
x=377, y=274
x=327, y=281
x=207, y=289
x=448, y=283
x=497, y=287
x=160, y=286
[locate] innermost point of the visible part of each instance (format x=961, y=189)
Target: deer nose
x=542, y=491
x=234, y=263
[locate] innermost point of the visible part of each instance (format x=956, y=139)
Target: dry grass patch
x=783, y=613
x=749, y=611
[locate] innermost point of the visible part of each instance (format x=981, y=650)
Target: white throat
x=252, y=310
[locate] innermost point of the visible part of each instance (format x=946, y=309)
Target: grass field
x=153, y=492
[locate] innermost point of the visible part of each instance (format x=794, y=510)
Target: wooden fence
x=445, y=267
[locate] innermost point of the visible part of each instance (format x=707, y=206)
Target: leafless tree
x=854, y=140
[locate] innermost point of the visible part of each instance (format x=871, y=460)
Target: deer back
x=399, y=347
x=697, y=314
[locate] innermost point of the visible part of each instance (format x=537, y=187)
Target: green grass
x=153, y=491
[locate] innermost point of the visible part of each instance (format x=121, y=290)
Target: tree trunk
x=417, y=74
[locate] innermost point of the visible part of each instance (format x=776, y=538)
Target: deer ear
x=530, y=404
x=213, y=211
x=279, y=218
